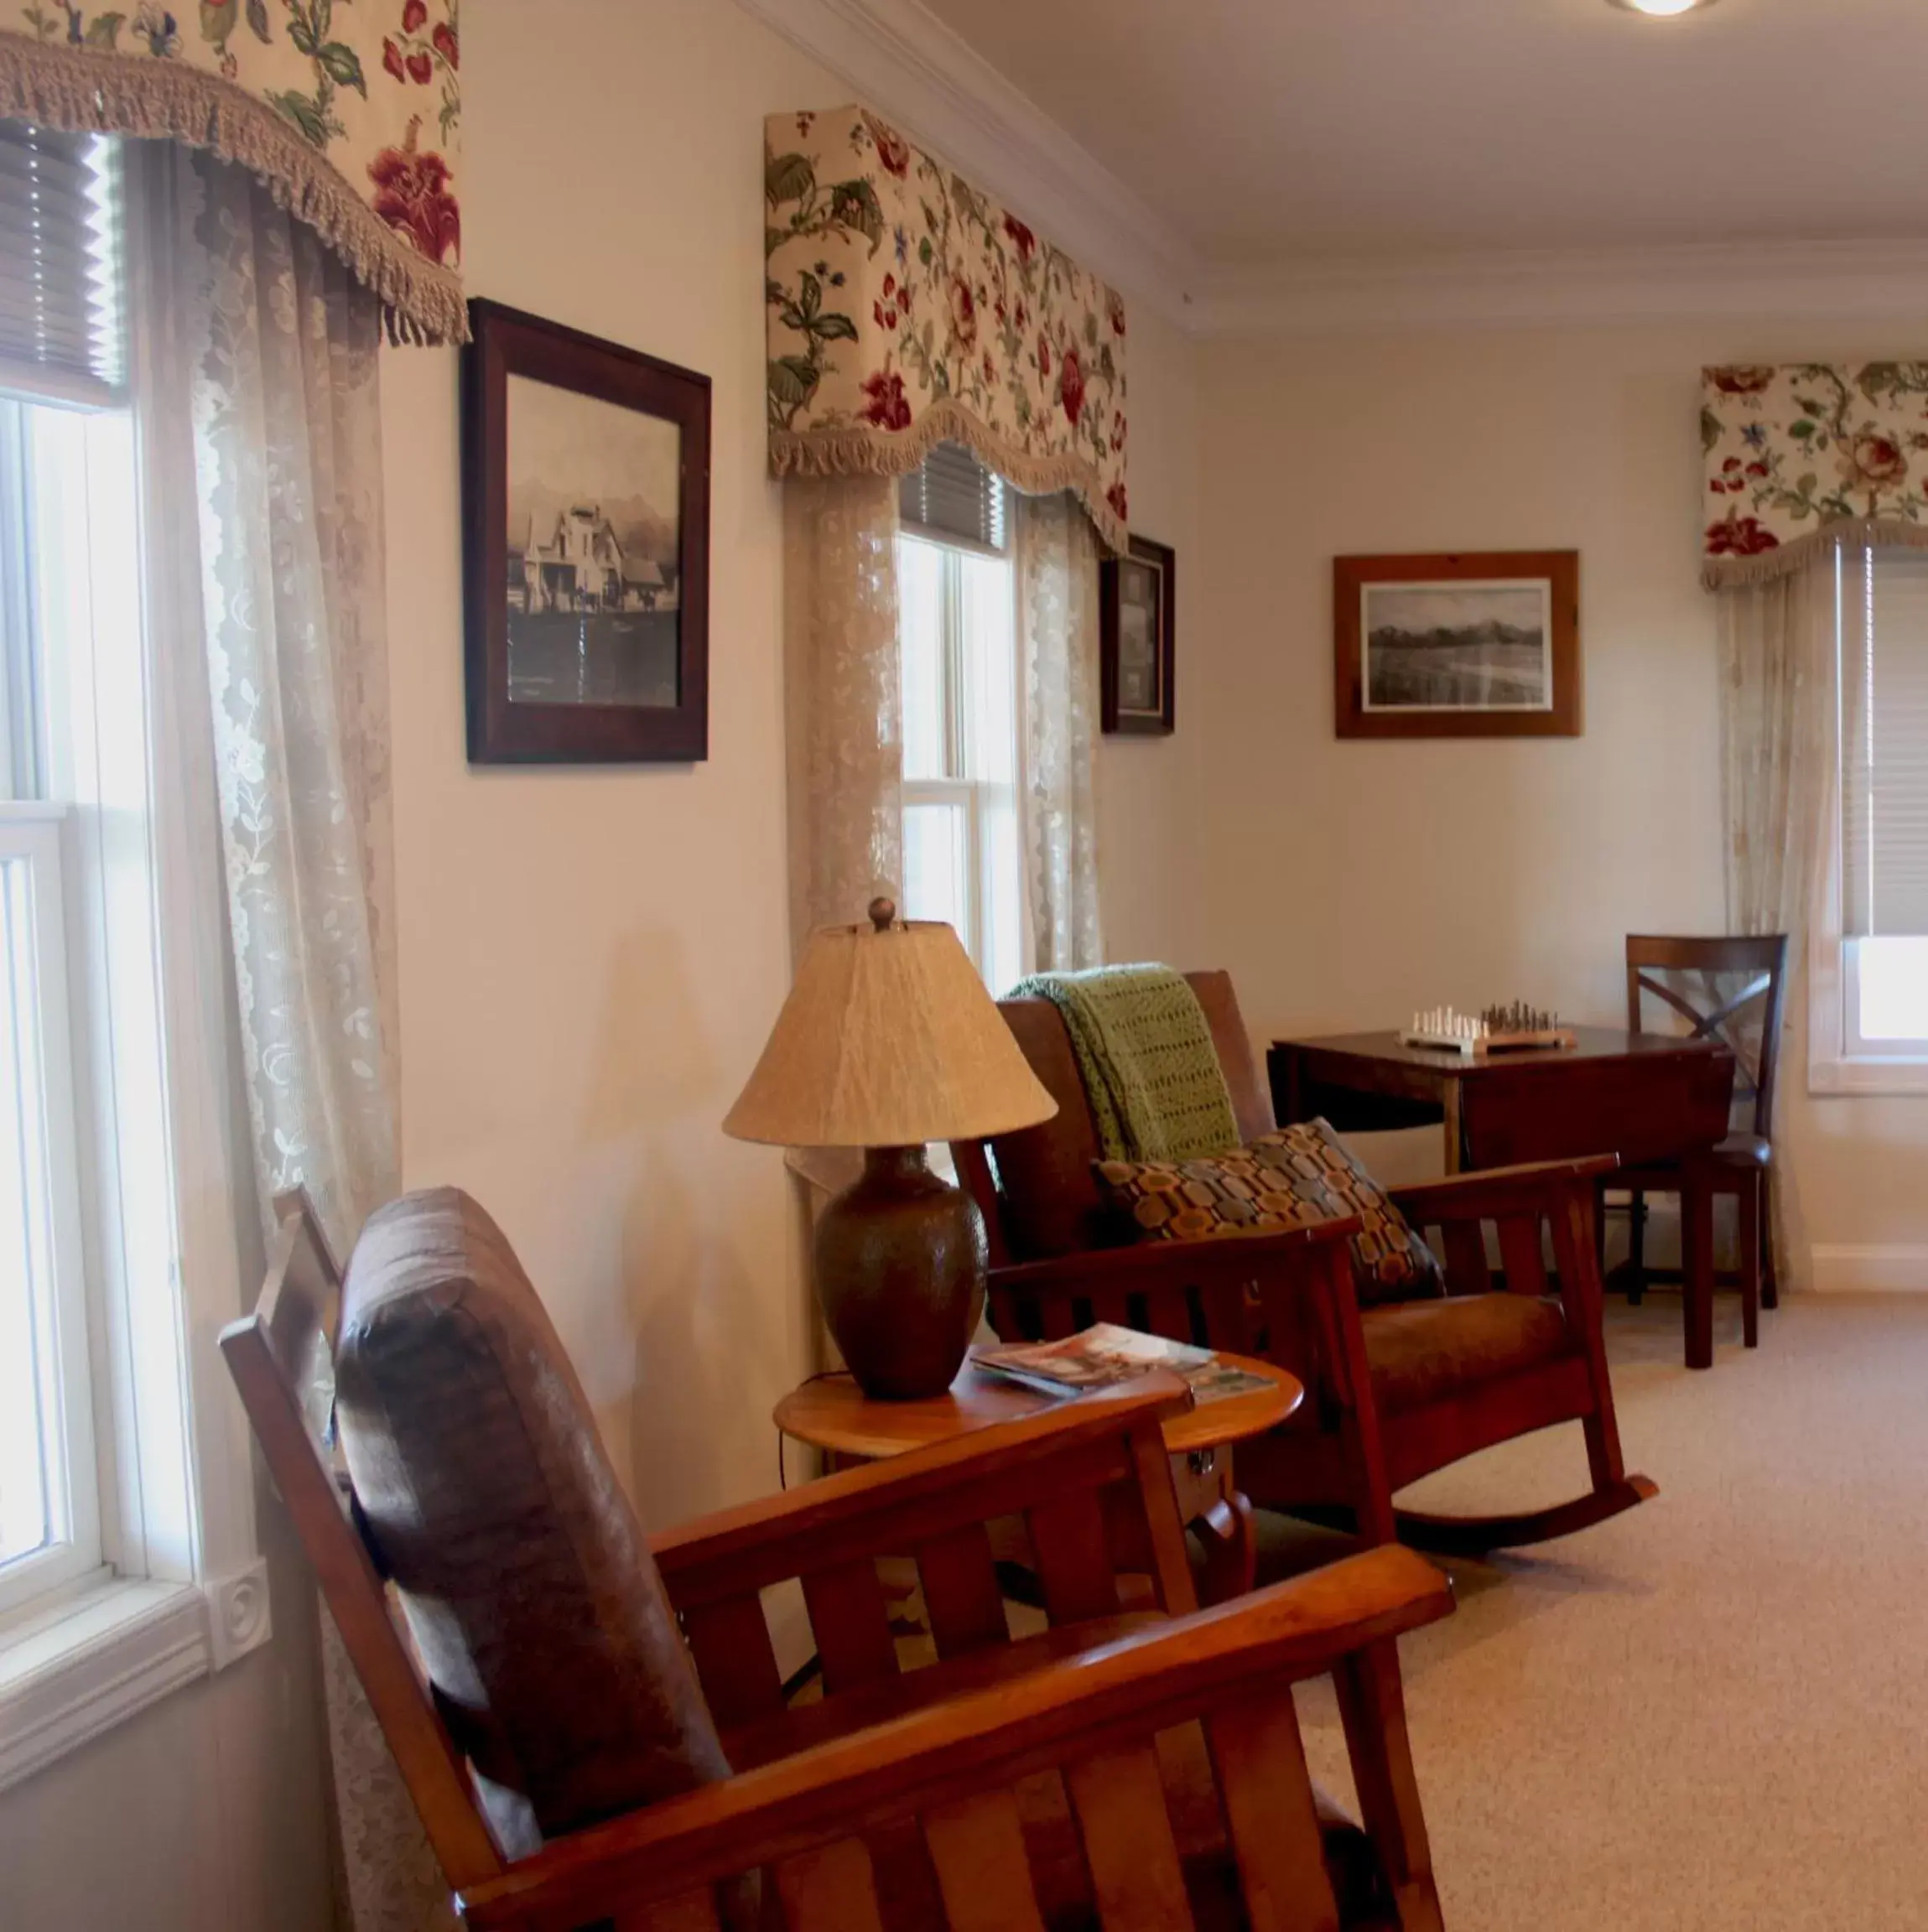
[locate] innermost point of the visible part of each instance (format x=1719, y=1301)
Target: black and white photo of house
x=1458, y=646
x=593, y=543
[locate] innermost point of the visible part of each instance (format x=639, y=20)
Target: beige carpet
x=1712, y=1711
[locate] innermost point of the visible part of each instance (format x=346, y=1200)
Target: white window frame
x=1839, y=1061
x=30, y=840
x=180, y=1589
x=977, y=797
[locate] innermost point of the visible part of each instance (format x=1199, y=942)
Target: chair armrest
x=1147, y=1264
x=1117, y=1694
x=1489, y=1192
x=883, y=1507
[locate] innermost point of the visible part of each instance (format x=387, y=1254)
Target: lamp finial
x=883, y=913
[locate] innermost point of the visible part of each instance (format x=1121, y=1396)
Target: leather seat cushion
x=1424, y=1352
x=528, y=1583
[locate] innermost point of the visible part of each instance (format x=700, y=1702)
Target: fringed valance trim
x=83, y=89
x=862, y=452
x=907, y=307
x=1785, y=560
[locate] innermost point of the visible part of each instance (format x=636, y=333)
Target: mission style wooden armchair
x=1132, y=1768
x=1394, y=1391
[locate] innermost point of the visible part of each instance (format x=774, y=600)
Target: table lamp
x=889, y=1040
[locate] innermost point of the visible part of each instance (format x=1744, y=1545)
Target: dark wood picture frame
x=1114, y=716
x=1559, y=569
x=506, y=342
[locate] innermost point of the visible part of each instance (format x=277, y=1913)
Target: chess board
x=1514, y=1028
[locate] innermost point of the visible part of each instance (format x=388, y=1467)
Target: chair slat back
x=282, y=1358
x=1731, y=990
x=1257, y=1295
x=1112, y=1794
x=1090, y=1481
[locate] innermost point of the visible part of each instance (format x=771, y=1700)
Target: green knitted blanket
x=1145, y=1055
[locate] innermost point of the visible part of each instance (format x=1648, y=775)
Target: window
x=1871, y=978
x=958, y=637
x=128, y=1559
x=66, y=537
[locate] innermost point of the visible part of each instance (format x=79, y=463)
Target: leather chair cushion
x=1293, y=1178
x=1425, y=1352
x=527, y=1582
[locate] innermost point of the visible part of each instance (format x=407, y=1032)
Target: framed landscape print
x=585, y=487
x=1480, y=644
x=1136, y=613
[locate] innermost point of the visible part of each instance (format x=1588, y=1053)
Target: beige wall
x=1149, y=880
x=589, y=959
x=1347, y=883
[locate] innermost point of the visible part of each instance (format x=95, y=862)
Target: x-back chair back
x=896, y=1797
x=1731, y=991
x=1395, y=1390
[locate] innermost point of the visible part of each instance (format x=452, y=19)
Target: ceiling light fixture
x=1661, y=10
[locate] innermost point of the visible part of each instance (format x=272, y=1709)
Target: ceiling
x=1267, y=132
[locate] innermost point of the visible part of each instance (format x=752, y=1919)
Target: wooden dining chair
x=1733, y=991
x=1126, y=1767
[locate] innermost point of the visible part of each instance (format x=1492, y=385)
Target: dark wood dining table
x=1645, y=1097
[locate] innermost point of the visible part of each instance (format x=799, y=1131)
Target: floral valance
x=1804, y=453
x=909, y=308
x=348, y=109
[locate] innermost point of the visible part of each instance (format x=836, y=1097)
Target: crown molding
x=902, y=60
x=1569, y=288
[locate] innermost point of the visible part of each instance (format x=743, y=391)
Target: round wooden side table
x=832, y=1413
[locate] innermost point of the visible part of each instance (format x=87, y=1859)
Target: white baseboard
x=1844, y=1269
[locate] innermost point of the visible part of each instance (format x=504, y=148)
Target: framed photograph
x=1479, y=645
x=586, y=499
x=1135, y=614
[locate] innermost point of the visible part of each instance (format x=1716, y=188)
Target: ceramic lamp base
x=900, y=1259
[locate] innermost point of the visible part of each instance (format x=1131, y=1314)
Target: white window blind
x=62, y=312
x=951, y=497
x=1884, y=746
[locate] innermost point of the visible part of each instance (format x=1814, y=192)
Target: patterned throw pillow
x=1290, y=1179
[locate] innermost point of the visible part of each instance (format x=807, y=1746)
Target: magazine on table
x=1098, y=1356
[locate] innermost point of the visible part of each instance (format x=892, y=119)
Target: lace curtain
x=1776, y=691
x=273, y=387
x=845, y=753
x=1057, y=648
x=1777, y=683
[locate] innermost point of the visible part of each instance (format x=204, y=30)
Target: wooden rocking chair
x=1394, y=1391
x=1130, y=1767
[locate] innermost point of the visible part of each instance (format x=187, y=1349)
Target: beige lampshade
x=888, y=1039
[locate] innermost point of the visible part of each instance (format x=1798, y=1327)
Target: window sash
x=39, y=1147
x=960, y=737
x=1884, y=654
x=1868, y=991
